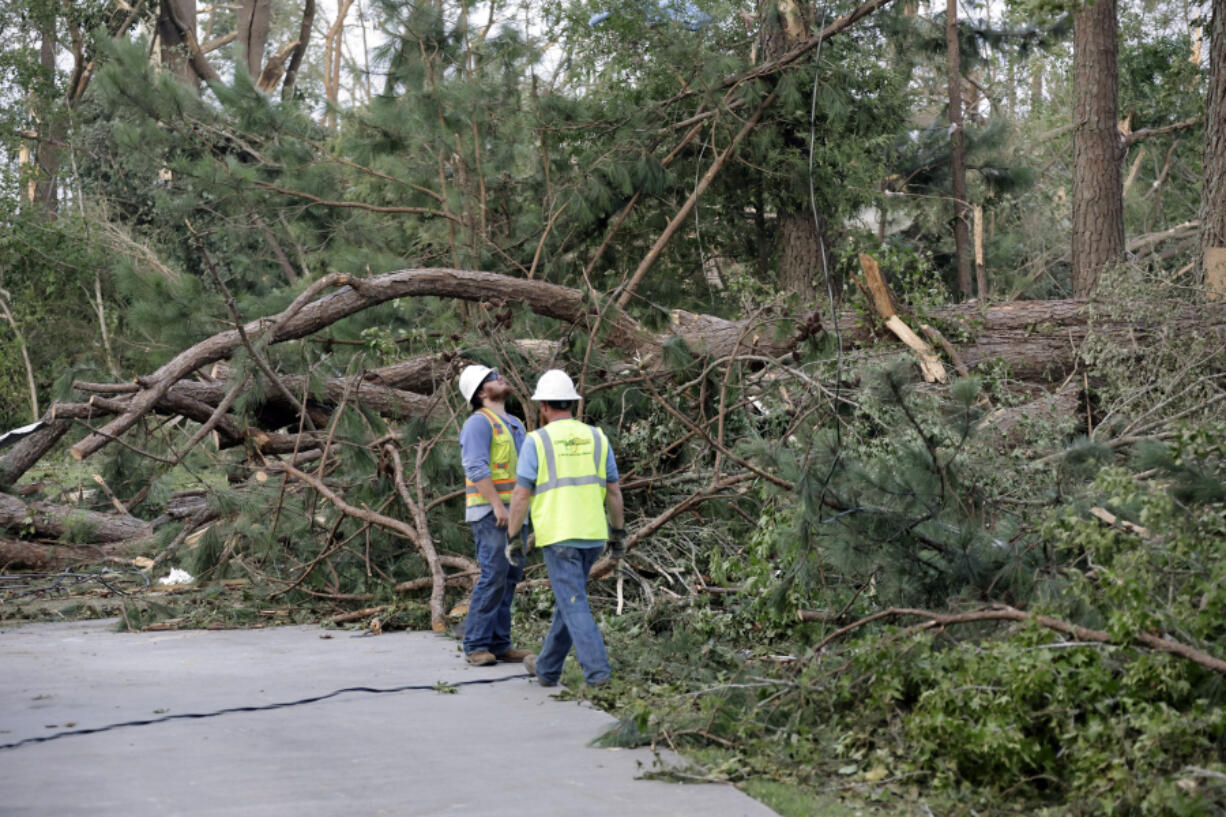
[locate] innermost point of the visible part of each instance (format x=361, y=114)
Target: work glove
x=515, y=554
x=617, y=543
x=518, y=548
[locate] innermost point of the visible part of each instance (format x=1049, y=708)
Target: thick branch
x=425, y=545
x=357, y=294
x=1145, y=133
x=27, y=451
x=1154, y=642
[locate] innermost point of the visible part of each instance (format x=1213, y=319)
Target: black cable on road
x=441, y=686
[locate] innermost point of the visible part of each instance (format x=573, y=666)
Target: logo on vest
x=574, y=446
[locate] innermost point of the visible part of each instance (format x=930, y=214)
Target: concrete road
x=506, y=748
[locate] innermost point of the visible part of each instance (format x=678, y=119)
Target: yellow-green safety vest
x=568, y=500
x=503, y=459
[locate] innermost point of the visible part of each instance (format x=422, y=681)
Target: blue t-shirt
x=526, y=472
x=475, y=439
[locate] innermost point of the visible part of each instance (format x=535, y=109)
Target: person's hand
x=617, y=543
x=501, y=515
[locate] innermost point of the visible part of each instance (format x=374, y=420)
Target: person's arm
x=613, y=493
x=525, y=482
x=613, y=504
x=520, y=498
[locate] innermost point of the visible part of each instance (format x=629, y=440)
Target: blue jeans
x=488, y=626
x=572, y=617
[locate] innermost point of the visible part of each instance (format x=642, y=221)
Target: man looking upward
x=567, y=473
x=489, y=446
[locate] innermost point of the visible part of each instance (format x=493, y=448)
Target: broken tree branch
x=1154, y=642
x=394, y=525
x=425, y=545
x=1145, y=133
x=879, y=295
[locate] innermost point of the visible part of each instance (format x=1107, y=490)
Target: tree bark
x=953, y=70
x=1213, y=193
x=1098, y=200
x=800, y=255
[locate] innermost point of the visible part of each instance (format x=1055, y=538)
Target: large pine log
x=48, y=557
x=51, y=520
x=1037, y=341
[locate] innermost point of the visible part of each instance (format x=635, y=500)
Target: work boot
x=530, y=666
x=513, y=656
x=481, y=658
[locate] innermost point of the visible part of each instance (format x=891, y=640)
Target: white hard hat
x=555, y=384
x=471, y=379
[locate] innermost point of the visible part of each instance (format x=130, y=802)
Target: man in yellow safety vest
x=489, y=446
x=567, y=474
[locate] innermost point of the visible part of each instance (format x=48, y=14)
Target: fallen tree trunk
x=45, y=556
x=22, y=456
x=1038, y=341
x=50, y=520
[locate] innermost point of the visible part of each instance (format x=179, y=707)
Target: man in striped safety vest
x=489, y=446
x=568, y=476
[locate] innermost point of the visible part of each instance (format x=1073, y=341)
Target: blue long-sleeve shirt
x=475, y=439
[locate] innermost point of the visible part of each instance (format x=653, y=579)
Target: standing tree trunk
x=175, y=54
x=953, y=69
x=253, y=27
x=800, y=254
x=1098, y=197
x=800, y=244
x=1213, y=194
x=50, y=130
x=334, y=42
